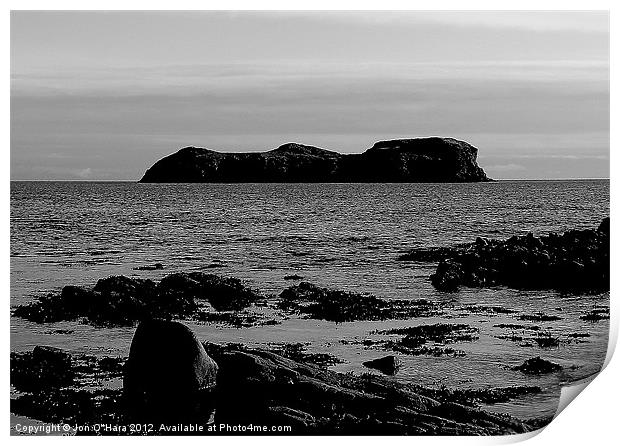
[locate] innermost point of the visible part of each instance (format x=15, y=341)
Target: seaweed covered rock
x=388, y=364
x=57, y=387
x=263, y=388
x=72, y=406
x=475, y=397
x=448, y=277
x=44, y=367
x=441, y=333
x=343, y=306
x=277, y=390
x=154, y=267
x=297, y=352
x=120, y=300
x=538, y=366
x=596, y=314
x=577, y=260
x=431, y=254
x=416, y=338
x=169, y=378
x=223, y=293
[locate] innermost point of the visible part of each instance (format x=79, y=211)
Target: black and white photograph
x=306, y=223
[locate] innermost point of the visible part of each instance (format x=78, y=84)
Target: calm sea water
x=344, y=236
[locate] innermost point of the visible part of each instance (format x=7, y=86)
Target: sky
x=103, y=95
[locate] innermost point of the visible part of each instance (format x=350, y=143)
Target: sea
x=341, y=236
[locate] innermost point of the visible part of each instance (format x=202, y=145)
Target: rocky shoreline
x=575, y=261
x=275, y=390
x=121, y=300
x=285, y=384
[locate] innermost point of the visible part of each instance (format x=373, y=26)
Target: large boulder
x=169, y=378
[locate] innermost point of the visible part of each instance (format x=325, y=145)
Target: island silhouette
x=432, y=160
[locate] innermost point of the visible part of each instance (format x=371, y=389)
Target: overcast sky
x=103, y=95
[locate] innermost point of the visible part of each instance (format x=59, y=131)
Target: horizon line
x=267, y=182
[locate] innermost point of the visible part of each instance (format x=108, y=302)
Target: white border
x=591, y=419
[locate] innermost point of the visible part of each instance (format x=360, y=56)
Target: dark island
x=426, y=160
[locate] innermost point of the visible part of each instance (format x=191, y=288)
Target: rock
x=538, y=366
x=70, y=406
x=316, y=401
x=44, y=367
x=576, y=261
x=344, y=306
x=597, y=314
x=120, y=300
x=475, y=397
x=75, y=298
x=124, y=286
x=428, y=340
x=51, y=356
x=262, y=388
x=223, y=293
x=155, y=267
x=56, y=387
x=388, y=364
x=604, y=226
x=546, y=340
x=297, y=352
x=402, y=160
x=481, y=242
x=297, y=419
x=448, y=277
x=432, y=254
x=539, y=317
x=293, y=277
x=169, y=378
x=415, y=338
x=440, y=333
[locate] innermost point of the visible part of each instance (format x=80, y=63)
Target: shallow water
x=344, y=236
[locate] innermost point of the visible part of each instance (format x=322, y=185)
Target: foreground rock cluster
x=576, y=260
x=277, y=390
x=120, y=300
x=247, y=386
x=400, y=160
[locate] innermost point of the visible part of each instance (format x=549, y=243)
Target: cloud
x=505, y=167
x=84, y=173
x=546, y=21
x=511, y=83
x=244, y=78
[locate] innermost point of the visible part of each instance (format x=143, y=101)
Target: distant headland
x=417, y=160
